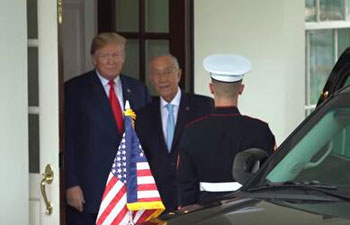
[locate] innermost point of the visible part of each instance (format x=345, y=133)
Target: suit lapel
x=184, y=108
x=127, y=92
x=158, y=124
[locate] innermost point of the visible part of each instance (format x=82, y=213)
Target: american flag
x=131, y=195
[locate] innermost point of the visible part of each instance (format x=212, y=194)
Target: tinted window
x=322, y=154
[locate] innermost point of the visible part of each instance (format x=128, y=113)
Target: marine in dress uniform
x=210, y=143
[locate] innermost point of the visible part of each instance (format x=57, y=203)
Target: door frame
x=14, y=189
x=180, y=36
x=48, y=111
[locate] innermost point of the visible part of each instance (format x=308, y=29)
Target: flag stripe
x=142, y=166
x=147, y=194
x=122, y=216
x=118, y=213
x=118, y=209
x=145, y=215
x=125, y=220
x=145, y=180
x=110, y=183
x=137, y=215
x=110, y=195
x=144, y=173
x=111, y=200
x=146, y=187
x=110, y=176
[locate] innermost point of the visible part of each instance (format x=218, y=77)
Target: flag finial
x=127, y=105
x=128, y=111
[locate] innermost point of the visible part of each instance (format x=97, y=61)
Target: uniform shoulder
x=259, y=128
x=196, y=121
x=254, y=120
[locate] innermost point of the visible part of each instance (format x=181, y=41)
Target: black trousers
x=74, y=217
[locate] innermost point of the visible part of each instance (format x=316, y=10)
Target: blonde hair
x=106, y=38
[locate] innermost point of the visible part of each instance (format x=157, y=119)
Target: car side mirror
x=247, y=163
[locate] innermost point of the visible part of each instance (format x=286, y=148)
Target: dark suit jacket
x=149, y=130
x=91, y=137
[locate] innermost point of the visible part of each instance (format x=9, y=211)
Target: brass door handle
x=48, y=178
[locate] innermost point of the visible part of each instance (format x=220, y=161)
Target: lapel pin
x=187, y=108
x=128, y=90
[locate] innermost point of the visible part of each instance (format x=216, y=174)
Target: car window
x=347, y=81
x=323, y=154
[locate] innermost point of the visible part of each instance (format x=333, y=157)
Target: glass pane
x=321, y=61
x=347, y=81
x=127, y=15
x=348, y=10
x=32, y=19
x=331, y=10
x=33, y=80
x=321, y=153
x=157, y=15
x=132, y=61
x=343, y=40
x=154, y=48
x=34, y=152
x=310, y=10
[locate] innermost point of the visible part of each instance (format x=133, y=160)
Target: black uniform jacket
x=149, y=130
x=209, y=147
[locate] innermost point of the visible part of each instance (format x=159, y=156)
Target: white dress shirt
x=117, y=88
x=164, y=111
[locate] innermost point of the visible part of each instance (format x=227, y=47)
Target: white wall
x=13, y=113
x=271, y=34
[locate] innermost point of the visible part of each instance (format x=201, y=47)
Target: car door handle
x=48, y=178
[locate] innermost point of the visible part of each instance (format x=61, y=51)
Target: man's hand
x=75, y=198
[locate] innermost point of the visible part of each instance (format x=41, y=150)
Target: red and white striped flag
x=131, y=195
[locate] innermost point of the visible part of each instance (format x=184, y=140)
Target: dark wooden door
x=152, y=27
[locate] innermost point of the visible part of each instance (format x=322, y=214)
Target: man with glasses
x=160, y=124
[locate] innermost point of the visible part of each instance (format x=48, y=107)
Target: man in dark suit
x=94, y=104
x=160, y=124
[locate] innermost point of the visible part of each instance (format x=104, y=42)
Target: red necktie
x=113, y=100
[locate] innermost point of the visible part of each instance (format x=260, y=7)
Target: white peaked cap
x=227, y=67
